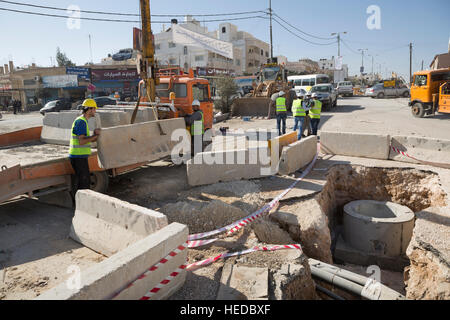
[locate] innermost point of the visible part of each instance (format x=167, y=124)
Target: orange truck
x=183, y=88
x=430, y=92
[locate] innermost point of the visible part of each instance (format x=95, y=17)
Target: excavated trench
x=412, y=188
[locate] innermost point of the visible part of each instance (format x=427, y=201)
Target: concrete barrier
x=140, y=142
x=230, y=165
x=297, y=155
x=105, y=279
x=57, y=127
x=363, y=145
x=108, y=225
x=425, y=149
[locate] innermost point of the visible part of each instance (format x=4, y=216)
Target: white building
x=169, y=53
x=255, y=52
x=326, y=64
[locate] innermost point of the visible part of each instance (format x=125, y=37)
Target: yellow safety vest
x=297, y=108
x=75, y=148
x=281, y=104
x=198, y=127
x=314, y=112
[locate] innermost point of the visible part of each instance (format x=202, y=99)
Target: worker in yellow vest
x=281, y=111
x=196, y=124
x=80, y=145
x=299, y=113
x=314, y=113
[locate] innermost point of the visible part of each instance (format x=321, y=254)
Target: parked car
x=326, y=94
x=345, y=88
x=380, y=91
x=123, y=54
x=101, y=102
x=56, y=106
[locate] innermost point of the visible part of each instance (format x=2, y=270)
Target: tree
x=62, y=59
x=226, y=88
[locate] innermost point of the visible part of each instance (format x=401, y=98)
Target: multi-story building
x=249, y=53
x=168, y=52
x=255, y=52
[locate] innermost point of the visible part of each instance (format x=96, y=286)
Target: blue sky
x=27, y=38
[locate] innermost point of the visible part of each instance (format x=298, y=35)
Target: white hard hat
x=314, y=95
x=196, y=103
x=281, y=93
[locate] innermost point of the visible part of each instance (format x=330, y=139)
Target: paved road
x=12, y=122
x=364, y=114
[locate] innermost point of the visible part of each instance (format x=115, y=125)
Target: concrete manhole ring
x=378, y=227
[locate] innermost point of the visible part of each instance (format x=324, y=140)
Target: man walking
x=314, y=113
x=299, y=113
x=80, y=145
x=196, y=123
x=281, y=113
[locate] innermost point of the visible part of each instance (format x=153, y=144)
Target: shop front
x=109, y=81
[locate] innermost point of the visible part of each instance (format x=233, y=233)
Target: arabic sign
x=202, y=71
x=388, y=84
x=61, y=81
x=189, y=38
x=82, y=73
x=114, y=74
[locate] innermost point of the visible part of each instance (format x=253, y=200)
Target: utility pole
x=422, y=65
x=271, y=43
x=410, y=63
x=339, y=40
x=90, y=48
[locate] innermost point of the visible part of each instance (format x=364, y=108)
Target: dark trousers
x=281, y=119
x=315, y=126
x=82, y=174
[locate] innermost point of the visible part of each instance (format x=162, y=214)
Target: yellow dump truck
x=430, y=92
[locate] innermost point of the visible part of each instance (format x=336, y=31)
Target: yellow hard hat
x=89, y=103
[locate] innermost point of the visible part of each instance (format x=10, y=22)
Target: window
x=185, y=50
x=200, y=92
x=308, y=82
x=267, y=54
x=180, y=90
x=172, y=45
x=224, y=30
x=172, y=61
x=420, y=80
x=238, y=62
x=262, y=52
x=323, y=80
x=158, y=47
x=199, y=58
x=440, y=77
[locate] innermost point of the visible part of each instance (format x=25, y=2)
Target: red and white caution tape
x=163, y=283
x=434, y=164
x=208, y=261
x=231, y=228
x=163, y=261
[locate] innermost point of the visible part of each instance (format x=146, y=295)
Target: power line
x=133, y=14
x=117, y=20
x=308, y=34
x=315, y=43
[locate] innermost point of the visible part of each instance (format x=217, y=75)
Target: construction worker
x=299, y=113
x=80, y=144
x=281, y=112
x=314, y=113
x=196, y=123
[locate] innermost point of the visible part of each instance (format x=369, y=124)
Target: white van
x=306, y=82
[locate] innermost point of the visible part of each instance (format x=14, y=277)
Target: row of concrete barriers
x=380, y=146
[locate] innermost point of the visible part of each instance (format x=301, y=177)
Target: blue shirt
x=79, y=129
